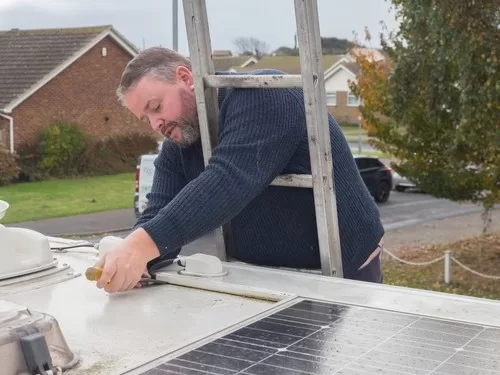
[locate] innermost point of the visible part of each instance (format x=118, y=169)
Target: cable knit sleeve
x=261, y=130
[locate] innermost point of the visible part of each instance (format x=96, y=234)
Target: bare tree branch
x=251, y=46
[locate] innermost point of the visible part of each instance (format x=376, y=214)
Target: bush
x=349, y=125
x=117, y=154
x=9, y=168
x=60, y=147
x=29, y=159
x=106, y=156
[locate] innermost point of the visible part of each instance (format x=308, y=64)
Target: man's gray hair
x=157, y=62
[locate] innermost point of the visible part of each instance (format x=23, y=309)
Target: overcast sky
x=148, y=23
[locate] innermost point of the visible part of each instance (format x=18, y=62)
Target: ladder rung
x=294, y=180
x=255, y=81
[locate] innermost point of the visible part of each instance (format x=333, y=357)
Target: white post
x=360, y=134
x=447, y=266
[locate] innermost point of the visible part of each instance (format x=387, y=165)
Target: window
x=2, y=138
x=331, y=98
x=352, y=101
x=362, y=163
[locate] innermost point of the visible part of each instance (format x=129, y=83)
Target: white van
x=143, y=182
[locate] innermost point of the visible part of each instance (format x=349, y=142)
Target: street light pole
x=175, y=24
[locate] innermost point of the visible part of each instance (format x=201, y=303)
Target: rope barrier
x=447, y=264
x=413, y=263
x=474, y=272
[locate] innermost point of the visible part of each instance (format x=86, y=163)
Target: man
x=262, y=134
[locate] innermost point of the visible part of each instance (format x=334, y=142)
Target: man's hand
x=125, y=264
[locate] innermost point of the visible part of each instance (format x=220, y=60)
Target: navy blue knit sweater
x=262, y=134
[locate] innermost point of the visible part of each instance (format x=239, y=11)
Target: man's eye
x=157, y=107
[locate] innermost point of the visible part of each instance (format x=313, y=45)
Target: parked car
x=376, y=175
x=402, y=183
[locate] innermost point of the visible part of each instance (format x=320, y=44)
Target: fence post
x=447, y=266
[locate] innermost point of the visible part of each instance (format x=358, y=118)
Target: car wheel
x=401, y=188
x=382, y=193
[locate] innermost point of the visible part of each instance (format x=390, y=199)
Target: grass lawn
x=354, y=138
x=58, y=198
x=481, y=254
x=351, y=133
x=378, y=154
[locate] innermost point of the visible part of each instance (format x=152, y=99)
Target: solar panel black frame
x=319, y=337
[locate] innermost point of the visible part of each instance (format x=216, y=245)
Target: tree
x=286, y=51
x=435, y=102
x=251, y=46
x=333, y=45
x=329, y=46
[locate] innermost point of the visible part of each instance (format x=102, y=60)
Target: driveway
x=410, y=208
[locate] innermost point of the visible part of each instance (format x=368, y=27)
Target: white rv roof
x=130, y=332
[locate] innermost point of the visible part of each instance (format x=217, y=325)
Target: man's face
x=169, y=108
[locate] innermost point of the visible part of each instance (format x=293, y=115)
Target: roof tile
x=26, y=56
x=287, y=64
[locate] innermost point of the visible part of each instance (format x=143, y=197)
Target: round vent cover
x=24, y=251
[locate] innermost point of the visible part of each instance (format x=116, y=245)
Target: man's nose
x=155, y=123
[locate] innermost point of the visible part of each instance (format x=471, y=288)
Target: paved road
x=402, y=210
x=411, y=208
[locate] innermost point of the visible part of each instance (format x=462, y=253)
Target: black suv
x=376, y=175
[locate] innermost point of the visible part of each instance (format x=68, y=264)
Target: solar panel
x=312, y=337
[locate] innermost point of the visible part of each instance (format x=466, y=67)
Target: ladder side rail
x=200, y=51
x=326, y=146
x=201, y=66
x=317, y=128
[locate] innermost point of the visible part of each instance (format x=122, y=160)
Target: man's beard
x=188, y=122
x=190, y=131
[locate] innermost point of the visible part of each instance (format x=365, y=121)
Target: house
x=68, y=74
x=225, y=63
x=342, y=104
x=222, y=53
x=339, y=70
x=340, y=101
x=288, y=64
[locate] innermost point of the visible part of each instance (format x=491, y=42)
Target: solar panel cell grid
x=313, y=337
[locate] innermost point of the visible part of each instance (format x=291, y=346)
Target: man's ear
x=184, y=75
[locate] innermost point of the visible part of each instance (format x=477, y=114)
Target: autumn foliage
x=434, y=100
x=371, y=86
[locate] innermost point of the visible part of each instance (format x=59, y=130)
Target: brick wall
x=83, y=93
x=342, y=112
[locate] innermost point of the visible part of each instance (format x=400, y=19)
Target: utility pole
x=175, y=24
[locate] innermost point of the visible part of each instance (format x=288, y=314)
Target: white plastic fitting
x=203, y=265
x=107, y=243
x=23, y=251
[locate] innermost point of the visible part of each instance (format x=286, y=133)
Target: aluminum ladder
x=311, y=80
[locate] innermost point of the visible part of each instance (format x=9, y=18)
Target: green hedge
x=62, y=150
x=9, y=167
